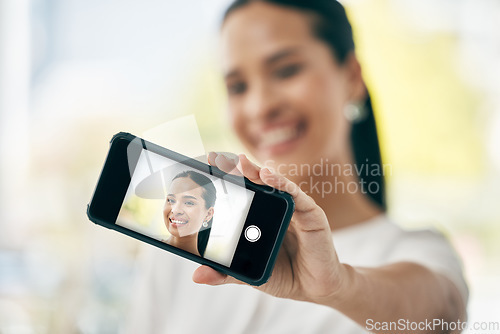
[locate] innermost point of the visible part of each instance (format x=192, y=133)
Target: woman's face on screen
x=184, y=211
x=286, y=90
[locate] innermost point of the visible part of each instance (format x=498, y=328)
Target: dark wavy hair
x=330, y=24
x=209, y=194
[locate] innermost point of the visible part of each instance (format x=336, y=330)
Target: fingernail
x=266, y=170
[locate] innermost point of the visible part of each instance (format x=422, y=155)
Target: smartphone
x=191, y=209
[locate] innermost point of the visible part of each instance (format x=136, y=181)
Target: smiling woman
x=188, y=211
x=283, y=72
x=297, y=97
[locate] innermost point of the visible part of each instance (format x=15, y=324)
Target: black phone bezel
x=252, y=263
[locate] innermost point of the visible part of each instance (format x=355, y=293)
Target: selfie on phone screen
x=185, y=208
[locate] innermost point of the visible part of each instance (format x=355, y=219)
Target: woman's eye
x=170, y=200
x=236, y=88
x=287, y=71
x=189, y=203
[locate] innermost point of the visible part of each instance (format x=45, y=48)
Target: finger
x=209, y=276
x=310, y=223
x=303, y=202
x=228, y=155
x=250, y=170
x=226, y=164
x=211, y=158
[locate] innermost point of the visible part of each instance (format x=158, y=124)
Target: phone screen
x=185, y=207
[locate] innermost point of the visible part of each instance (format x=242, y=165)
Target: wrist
x=345, y=290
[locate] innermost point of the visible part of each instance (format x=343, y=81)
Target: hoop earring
x=205, y=224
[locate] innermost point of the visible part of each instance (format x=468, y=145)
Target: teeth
x=178, y=221
x=278, y=136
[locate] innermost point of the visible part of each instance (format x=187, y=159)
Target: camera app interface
x=185, y=208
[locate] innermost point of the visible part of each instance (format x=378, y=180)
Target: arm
x=403, y=290
x=308, y=268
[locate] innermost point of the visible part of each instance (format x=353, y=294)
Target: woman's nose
x=262, y=102
x=177, y=208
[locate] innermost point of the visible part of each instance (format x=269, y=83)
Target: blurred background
x=73, y=73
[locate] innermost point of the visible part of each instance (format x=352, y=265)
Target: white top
x=167, y=300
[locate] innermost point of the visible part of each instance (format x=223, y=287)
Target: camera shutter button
x=252, y=233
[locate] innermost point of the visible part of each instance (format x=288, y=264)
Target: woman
x=188, y=211
x=297, y=98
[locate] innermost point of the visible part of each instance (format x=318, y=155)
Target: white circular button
x=252, y=233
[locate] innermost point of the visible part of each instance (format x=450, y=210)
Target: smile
x=177, y=222
x=279, y=136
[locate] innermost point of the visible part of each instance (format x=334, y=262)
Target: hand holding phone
x=307, y=267
x=191, y=209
